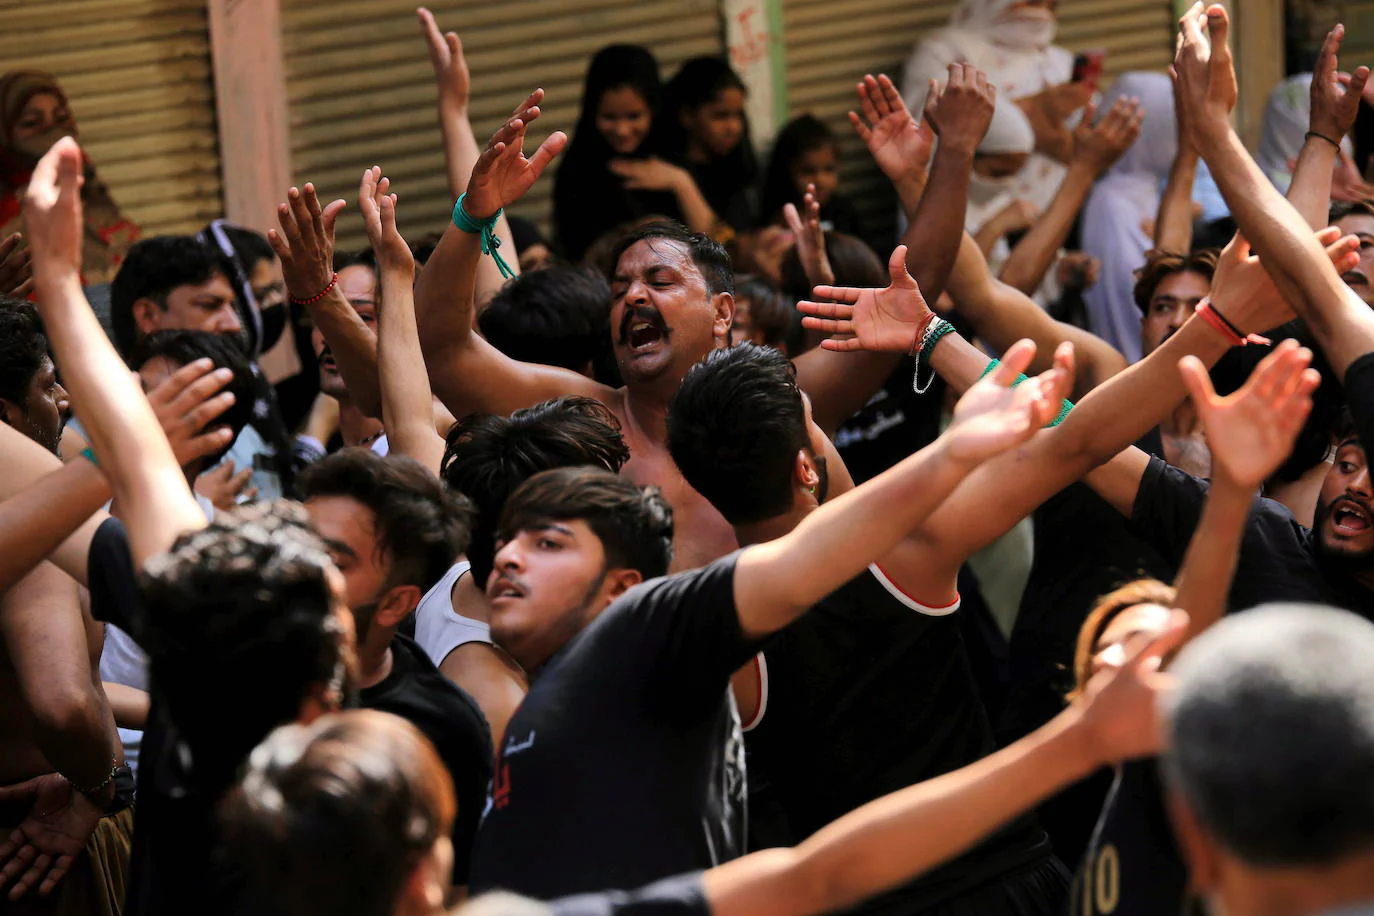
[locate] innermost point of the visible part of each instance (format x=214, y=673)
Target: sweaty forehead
x=652, y=254
x=1356, y=224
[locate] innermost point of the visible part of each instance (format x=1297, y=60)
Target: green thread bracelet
x=486, y=228
x=937, y=330
x=90, y=456
x=1063, y=412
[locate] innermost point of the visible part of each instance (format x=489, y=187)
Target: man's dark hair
x=1161, y=264
x=23, y=347
x=634, y=524
x=707, y=254
x=333, y=817
x=554, y=317
x=852, y=262
x=487, y=457
x=1271, y=728
x=734, y=429
x=772, y=313
x=182, y=348
x=240, y=628
x=364, y=258
x=152, y=269
x=422, y=526
x=1340, y=209
x=251, y=247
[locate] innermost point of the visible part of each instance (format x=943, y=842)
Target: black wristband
x=1321, y=136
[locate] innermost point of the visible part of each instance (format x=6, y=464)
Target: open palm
x=993, y=416
x=878, y=320
x=503, y=172
x=1251, y=433
x=896, y=141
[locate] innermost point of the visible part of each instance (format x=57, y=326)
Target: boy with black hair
x=624, y=763
x=486, y=458
x=393, y=529
x=171, y=282
x=31, y=398
x=558, y=316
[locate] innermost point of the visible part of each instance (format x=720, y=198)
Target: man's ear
x=620, y=581
x=724, y=305
x=11, y=414
x=804, y=469
x=396, y=604
x=147, y=315
x=1199, y=850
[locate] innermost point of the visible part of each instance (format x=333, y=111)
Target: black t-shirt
x=1359, y=394
x=624, y=763
x=1133, y=866
x=681, y=895
x=866, y=694
x=1279, y=558
x=894, y=424
x=452, y=721
x=176, y=866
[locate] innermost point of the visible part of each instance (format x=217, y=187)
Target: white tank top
x=439, y=629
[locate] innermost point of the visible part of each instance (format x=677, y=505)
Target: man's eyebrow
x=340, y=547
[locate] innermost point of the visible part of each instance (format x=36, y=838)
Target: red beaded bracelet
x=324, y=292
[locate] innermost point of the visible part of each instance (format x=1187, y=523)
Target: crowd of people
x=691, y=560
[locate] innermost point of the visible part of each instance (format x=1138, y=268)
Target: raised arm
x=1341, y=321
x=839, y=386
x=305, y=244
x=776, y=582
x=1250, y=434
x=1174, y=219
x=897, y=837
x=469, y=374
x=124, y=432
x=407, y=404
x=1096, y=147
x=461, y=150
x=16, y=274
x=1335, y=103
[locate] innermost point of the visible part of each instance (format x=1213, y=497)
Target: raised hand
x=810, y=239
x=503, y=173
x=963, y=111
x=38, y=852
x=994, y=416
x=379, y=216
x=1098, y=146
x=878, y=320
x=1243, y=291
x=1118, y=712
x=899, y=144
x=186, y=403
x=1251, y=432
x=450, y=66
x=1335, y=95
x=1204, y=75
x=52, y=210
x=305, y=243
x=225, y=487
x=16, y=272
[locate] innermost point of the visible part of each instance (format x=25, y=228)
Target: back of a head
x=152, y=269
x=735, y=427
x=558, y=316
x=334, y=817
x=23, y=346
x=181, y=348
x=852, y=261
x=241, y=629
x=634, y=524
x=421, y=525
x=487, y=457
x=1271, y=735
x=709, y=256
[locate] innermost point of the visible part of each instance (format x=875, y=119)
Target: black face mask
x=273, y=325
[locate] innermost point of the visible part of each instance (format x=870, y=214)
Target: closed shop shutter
x=139, y=78
x=831, y=45
x=362, y=93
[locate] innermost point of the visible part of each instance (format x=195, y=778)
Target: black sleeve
x=1359, y=393
x=112, y=580
x=685, y=631
x=1167, y=508
x=682, y=895
x=468, y=756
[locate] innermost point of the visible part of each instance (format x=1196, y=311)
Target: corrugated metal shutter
x=831, y=45
x=138, y=75
x=362, y=93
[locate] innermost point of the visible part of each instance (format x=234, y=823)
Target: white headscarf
x=1014, y=49
x=1127, y=196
